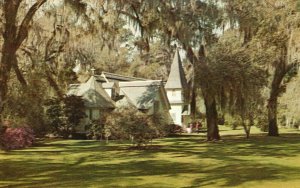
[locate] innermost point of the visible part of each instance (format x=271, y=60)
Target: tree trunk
x=281, y=69
x=287, y=122
x=272, y=102
x=53, y=83
x=293, y=123
x=246, y=127
x=18, y=72
x=8, y=55
x=8, y=49
x=209, y=99
x=274, y=93
x=4, y=76
x=247, y=130
x=5, y=68
x=211, y=119
x=193, y=103
x=272, y=116
x=13, y=37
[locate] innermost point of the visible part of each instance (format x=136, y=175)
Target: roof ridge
x=142, y=81
x=114, y=74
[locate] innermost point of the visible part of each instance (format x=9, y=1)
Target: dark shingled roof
x=176, y=78
x=121, y=78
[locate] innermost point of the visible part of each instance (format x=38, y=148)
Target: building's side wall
x=176, y=99
x=162, y=108
x=175, y=112
x=175, y=95
x=160, y=105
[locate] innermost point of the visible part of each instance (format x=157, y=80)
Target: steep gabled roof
x=176, y=78
x=93, y=94
x=125, y=102
x=73, y=89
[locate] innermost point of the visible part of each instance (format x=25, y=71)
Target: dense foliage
x=64, y=115
x=129, y=123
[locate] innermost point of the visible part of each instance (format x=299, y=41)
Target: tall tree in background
x=238, y=78
x=18, y=16
x=283, y=21
x=186, y=23
x=18, y=19
x=14, y=34
x=269, y=24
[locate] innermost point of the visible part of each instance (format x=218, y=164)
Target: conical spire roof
x=176, y=78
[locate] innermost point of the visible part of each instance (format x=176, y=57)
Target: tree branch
x=53, y=83
x=23, y=29
x=19, y=74
x=289, y=67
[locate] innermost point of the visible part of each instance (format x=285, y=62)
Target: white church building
x=110, y=91
x=177, y=91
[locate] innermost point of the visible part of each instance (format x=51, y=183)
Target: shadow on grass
x=62, y=175
x=237, y=174
x=287, y=145
x=233, y=162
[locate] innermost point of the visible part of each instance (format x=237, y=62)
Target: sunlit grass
x=182, y=161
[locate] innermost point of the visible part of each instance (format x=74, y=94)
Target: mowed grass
x=182, y=161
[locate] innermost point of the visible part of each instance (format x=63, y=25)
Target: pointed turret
x=176, y=78
x=176, y=87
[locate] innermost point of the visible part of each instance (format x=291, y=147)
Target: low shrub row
x=128, y=124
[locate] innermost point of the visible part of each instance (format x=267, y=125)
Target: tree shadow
x=242, y=173
x=231, y=163
x=147, y=95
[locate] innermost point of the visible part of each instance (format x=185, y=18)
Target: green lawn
x=183, y=161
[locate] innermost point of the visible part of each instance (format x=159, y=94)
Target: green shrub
x=16, y=136
x=65, y=114
x=23, y=105
x=95, y=130
x=263, y=123
x=129, y=123
x=173, y=129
